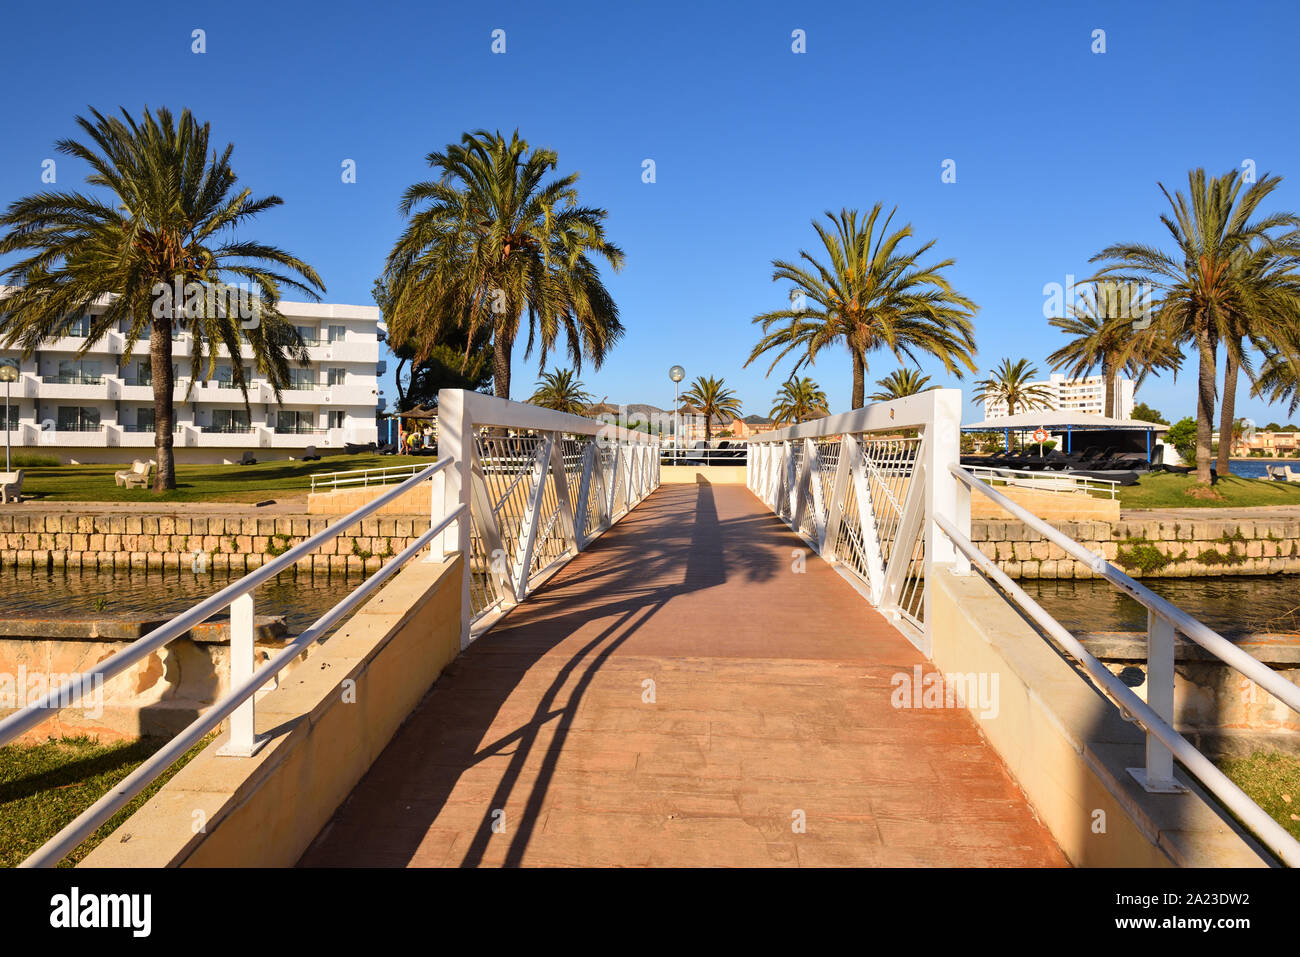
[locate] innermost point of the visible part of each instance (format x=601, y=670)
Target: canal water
x=1232, y=605
x=157, y=593
x=1254, y=468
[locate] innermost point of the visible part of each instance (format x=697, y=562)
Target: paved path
x=771, y=697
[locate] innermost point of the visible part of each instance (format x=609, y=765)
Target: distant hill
x=756, y=420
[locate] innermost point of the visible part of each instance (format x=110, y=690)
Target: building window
x=78, y=372
x=143, y=420
x=229, y=420
x=80, y=327
x=293, y=422
x=336, y=419
x=302, y=378
x=337, y=376
x=13, y=417
x=337, y=333
x=309, y=335
x=76, y=418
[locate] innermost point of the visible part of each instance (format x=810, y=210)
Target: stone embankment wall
x=1181, y=548
x=221, y=543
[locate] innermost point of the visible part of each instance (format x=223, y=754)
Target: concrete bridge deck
x=771, y=696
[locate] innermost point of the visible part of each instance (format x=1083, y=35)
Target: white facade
x=1077, y=395
x=99, y=408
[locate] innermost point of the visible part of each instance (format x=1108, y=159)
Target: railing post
x=1158, y=776
x=455, y=441
x=243, y=741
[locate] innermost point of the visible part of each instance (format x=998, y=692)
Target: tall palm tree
x=1269, y=314
x=1278, y=379
x=900, y=383
x=711, y=399
x=1011, y=382
x=798, y=401
x=1110, y=332
x=869, y=294
x=1220, y=281
x=173, y=223
x=488, y=242
x=560, y=390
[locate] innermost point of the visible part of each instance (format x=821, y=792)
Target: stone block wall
x=1175, y=548
x=225, y=543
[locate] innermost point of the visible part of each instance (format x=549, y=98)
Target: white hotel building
x=1086, y=395
x=98, y=408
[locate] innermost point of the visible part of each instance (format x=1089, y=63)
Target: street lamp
x=8, y=375
x=677, y=374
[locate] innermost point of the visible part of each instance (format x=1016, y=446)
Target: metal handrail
x=1275, y=837
x=241, y=694
x=1206, y=637
x=1032, y=479
x=333, y=480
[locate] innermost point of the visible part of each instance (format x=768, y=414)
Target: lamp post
x=8, y=375
x=677, y=374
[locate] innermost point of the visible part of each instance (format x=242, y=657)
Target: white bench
x=11, y=486
x=137, y=476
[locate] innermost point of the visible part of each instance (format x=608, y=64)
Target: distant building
x=98, y=406
x=1086, y=395
x=1279, y=445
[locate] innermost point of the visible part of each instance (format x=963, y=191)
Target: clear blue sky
x=1058, y=150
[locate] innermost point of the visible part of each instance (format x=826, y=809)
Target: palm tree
x=1269, y=314
x=1109, y=332
x=1011, y=382
x=901, y=383
x=169, y=227
x=798, y=401
x=870, y=294
x=1222, y=281
x=561, y=391
x=710, y=399
x=1278, y=379
x=488, y=242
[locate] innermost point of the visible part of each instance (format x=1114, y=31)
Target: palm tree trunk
x=708, y=423
x=160, y=364
x=859, y=380
x=397, y=378
x=1204, y=402
x=1108, y=378
x=1228, y=416
x=501, y=349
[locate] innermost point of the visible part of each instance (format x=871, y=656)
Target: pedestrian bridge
x=591, y=658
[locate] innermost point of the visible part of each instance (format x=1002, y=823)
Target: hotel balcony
x=87, y=388
x=223, y=437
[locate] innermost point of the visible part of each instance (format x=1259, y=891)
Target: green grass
x=45, y=786
x=1272, y=781
x=1169, y=490
x=200, y=483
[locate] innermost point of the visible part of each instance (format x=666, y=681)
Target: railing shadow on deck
x=693, y=550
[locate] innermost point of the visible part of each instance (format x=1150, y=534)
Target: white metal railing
x=1156, y=714
x=540, y=486
x=364, y=478
x=727, y=452
x=880, y=494
x=238, y=703
x=862, y=488
x=1044, y=480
